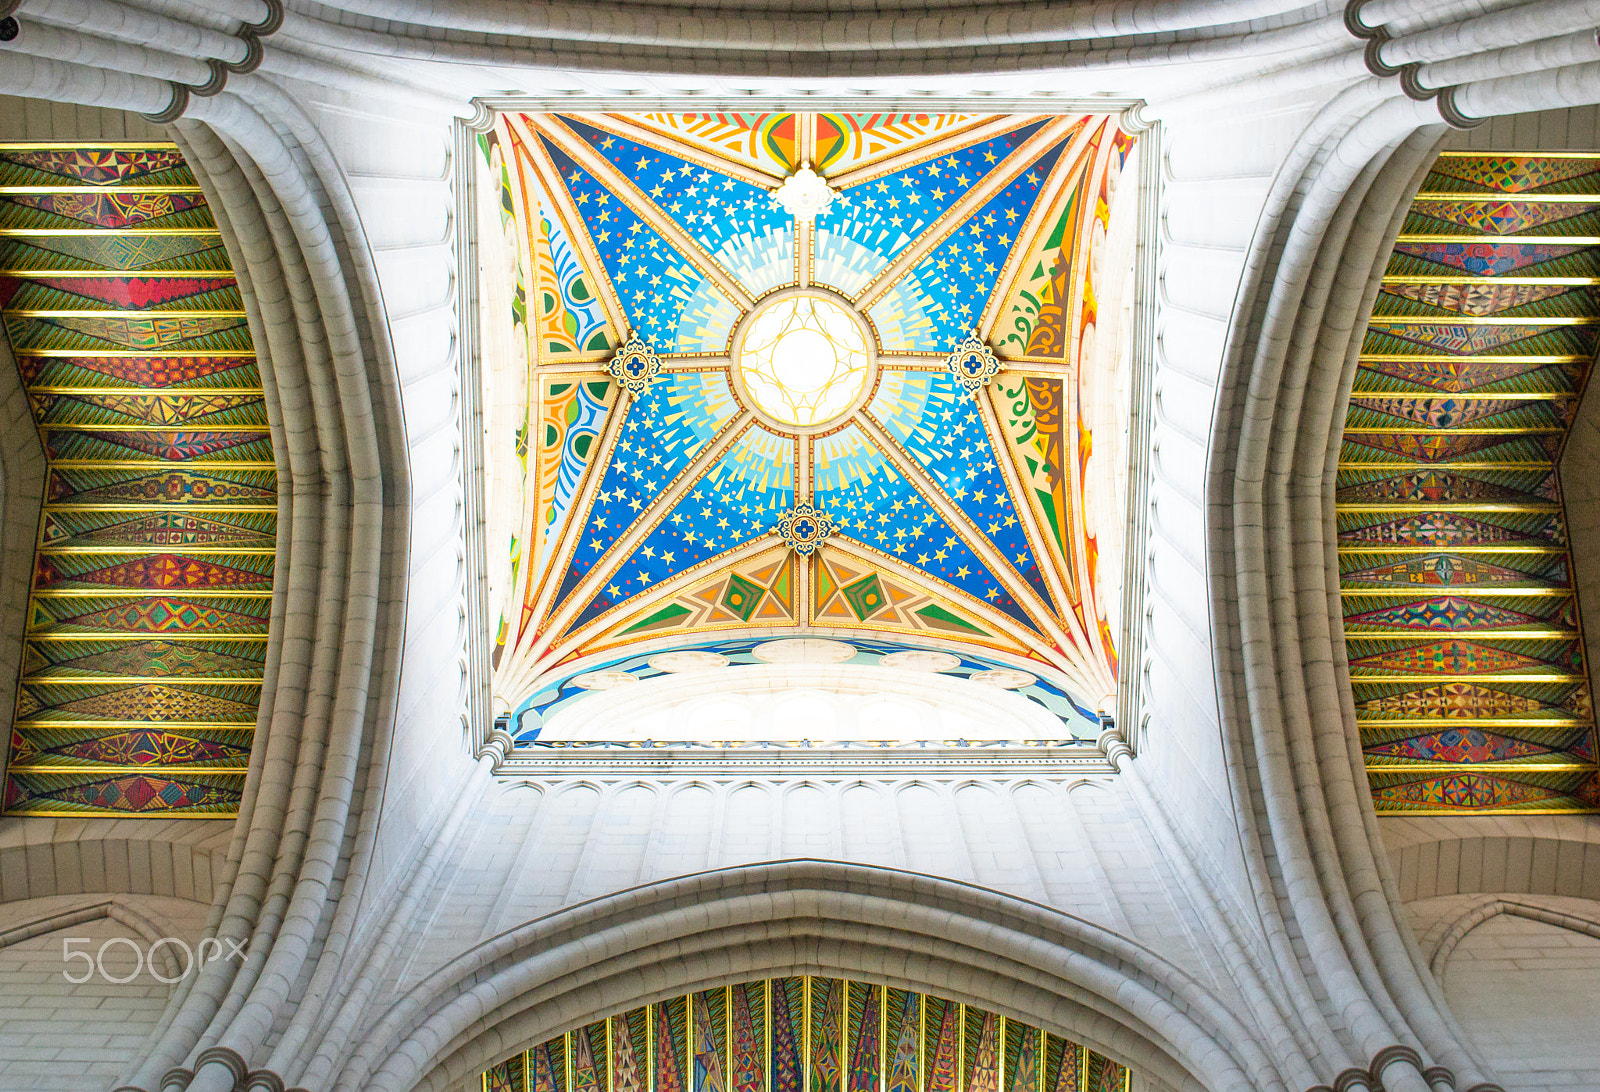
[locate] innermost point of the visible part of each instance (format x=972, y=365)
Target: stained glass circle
x=803, y=359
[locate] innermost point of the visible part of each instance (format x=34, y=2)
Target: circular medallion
x=1004, y=677
x=690, y=660
x=803, y=650
x=919, y=660
x=803, y=528
x=803, y=359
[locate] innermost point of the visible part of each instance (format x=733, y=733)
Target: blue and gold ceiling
x=1460, y=616
x=807, y=1034
x=951, y=516
x=152, y=586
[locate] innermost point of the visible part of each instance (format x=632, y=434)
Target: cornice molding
x=790, y=762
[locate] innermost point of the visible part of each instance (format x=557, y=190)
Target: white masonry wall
x=57, y=1034
x=1529, y=993
x=1526, y=990
x=1219, y=164
x=1077, y=845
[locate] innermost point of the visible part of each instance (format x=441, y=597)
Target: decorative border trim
x=479, y=726
x=963, y=762
x=1141, y=415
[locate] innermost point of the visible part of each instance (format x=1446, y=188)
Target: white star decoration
x=805, y=194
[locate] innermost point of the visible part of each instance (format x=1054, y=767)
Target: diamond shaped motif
x=635, y=365
x=803, y=529
x=972, y=362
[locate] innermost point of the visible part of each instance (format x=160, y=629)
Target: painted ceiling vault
x=807, y=1034
x=859, y=375
x=1460, y=615
x=152, y=587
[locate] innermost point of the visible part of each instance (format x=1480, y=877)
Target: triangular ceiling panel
x=760, y=590
x=1462, y=700
x=1033, y=320
x=1498, y=173
x=942, y=427
x=1444, y=612
x=874, y=504
x=1435, y=487
x=1031, y=413
x=735, y=222
x=1460, y=339
x=763, y=142
x=737, y=499
x=1494, y=217
x=572, y=412
x=847, y=142
x=1486, y=259
x=668, y=300
x=1438, y=570
x=941, y=298
x=1477, y=300
x=1458, y=745
x=877, y=218
x=853, y=590
x=662, y=433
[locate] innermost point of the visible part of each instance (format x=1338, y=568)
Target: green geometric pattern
x=1461, y=621
x=147, y=627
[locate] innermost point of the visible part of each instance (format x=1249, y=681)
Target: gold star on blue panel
x=941, y=428
x=872, y=502
x=941, y=298
x=737, y=223
x=666, y=298
x=859, y=236
x=738, y=499
x=665, y=428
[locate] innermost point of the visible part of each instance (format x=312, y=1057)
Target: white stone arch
x=804, y=916
x=1452, y=932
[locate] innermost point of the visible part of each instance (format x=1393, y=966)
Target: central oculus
x=803, y=358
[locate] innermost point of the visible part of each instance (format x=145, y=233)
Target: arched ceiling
x=958, y=516
x=152, y=586
x=1460, y=611
x=807, y=1033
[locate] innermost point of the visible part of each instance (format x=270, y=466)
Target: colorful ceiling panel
x=807, y=1034
x=637, y=478
x=152, y=587
x=1460, y=617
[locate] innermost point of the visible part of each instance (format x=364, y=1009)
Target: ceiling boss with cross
x=851, y=375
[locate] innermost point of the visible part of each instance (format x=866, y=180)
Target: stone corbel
x=250, y=34
x=1112, y=743
x=1376, y=38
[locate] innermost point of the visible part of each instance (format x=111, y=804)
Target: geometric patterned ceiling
x=152, y=588
x=807, y=1034
x=985, y=515
x=1460, y=616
